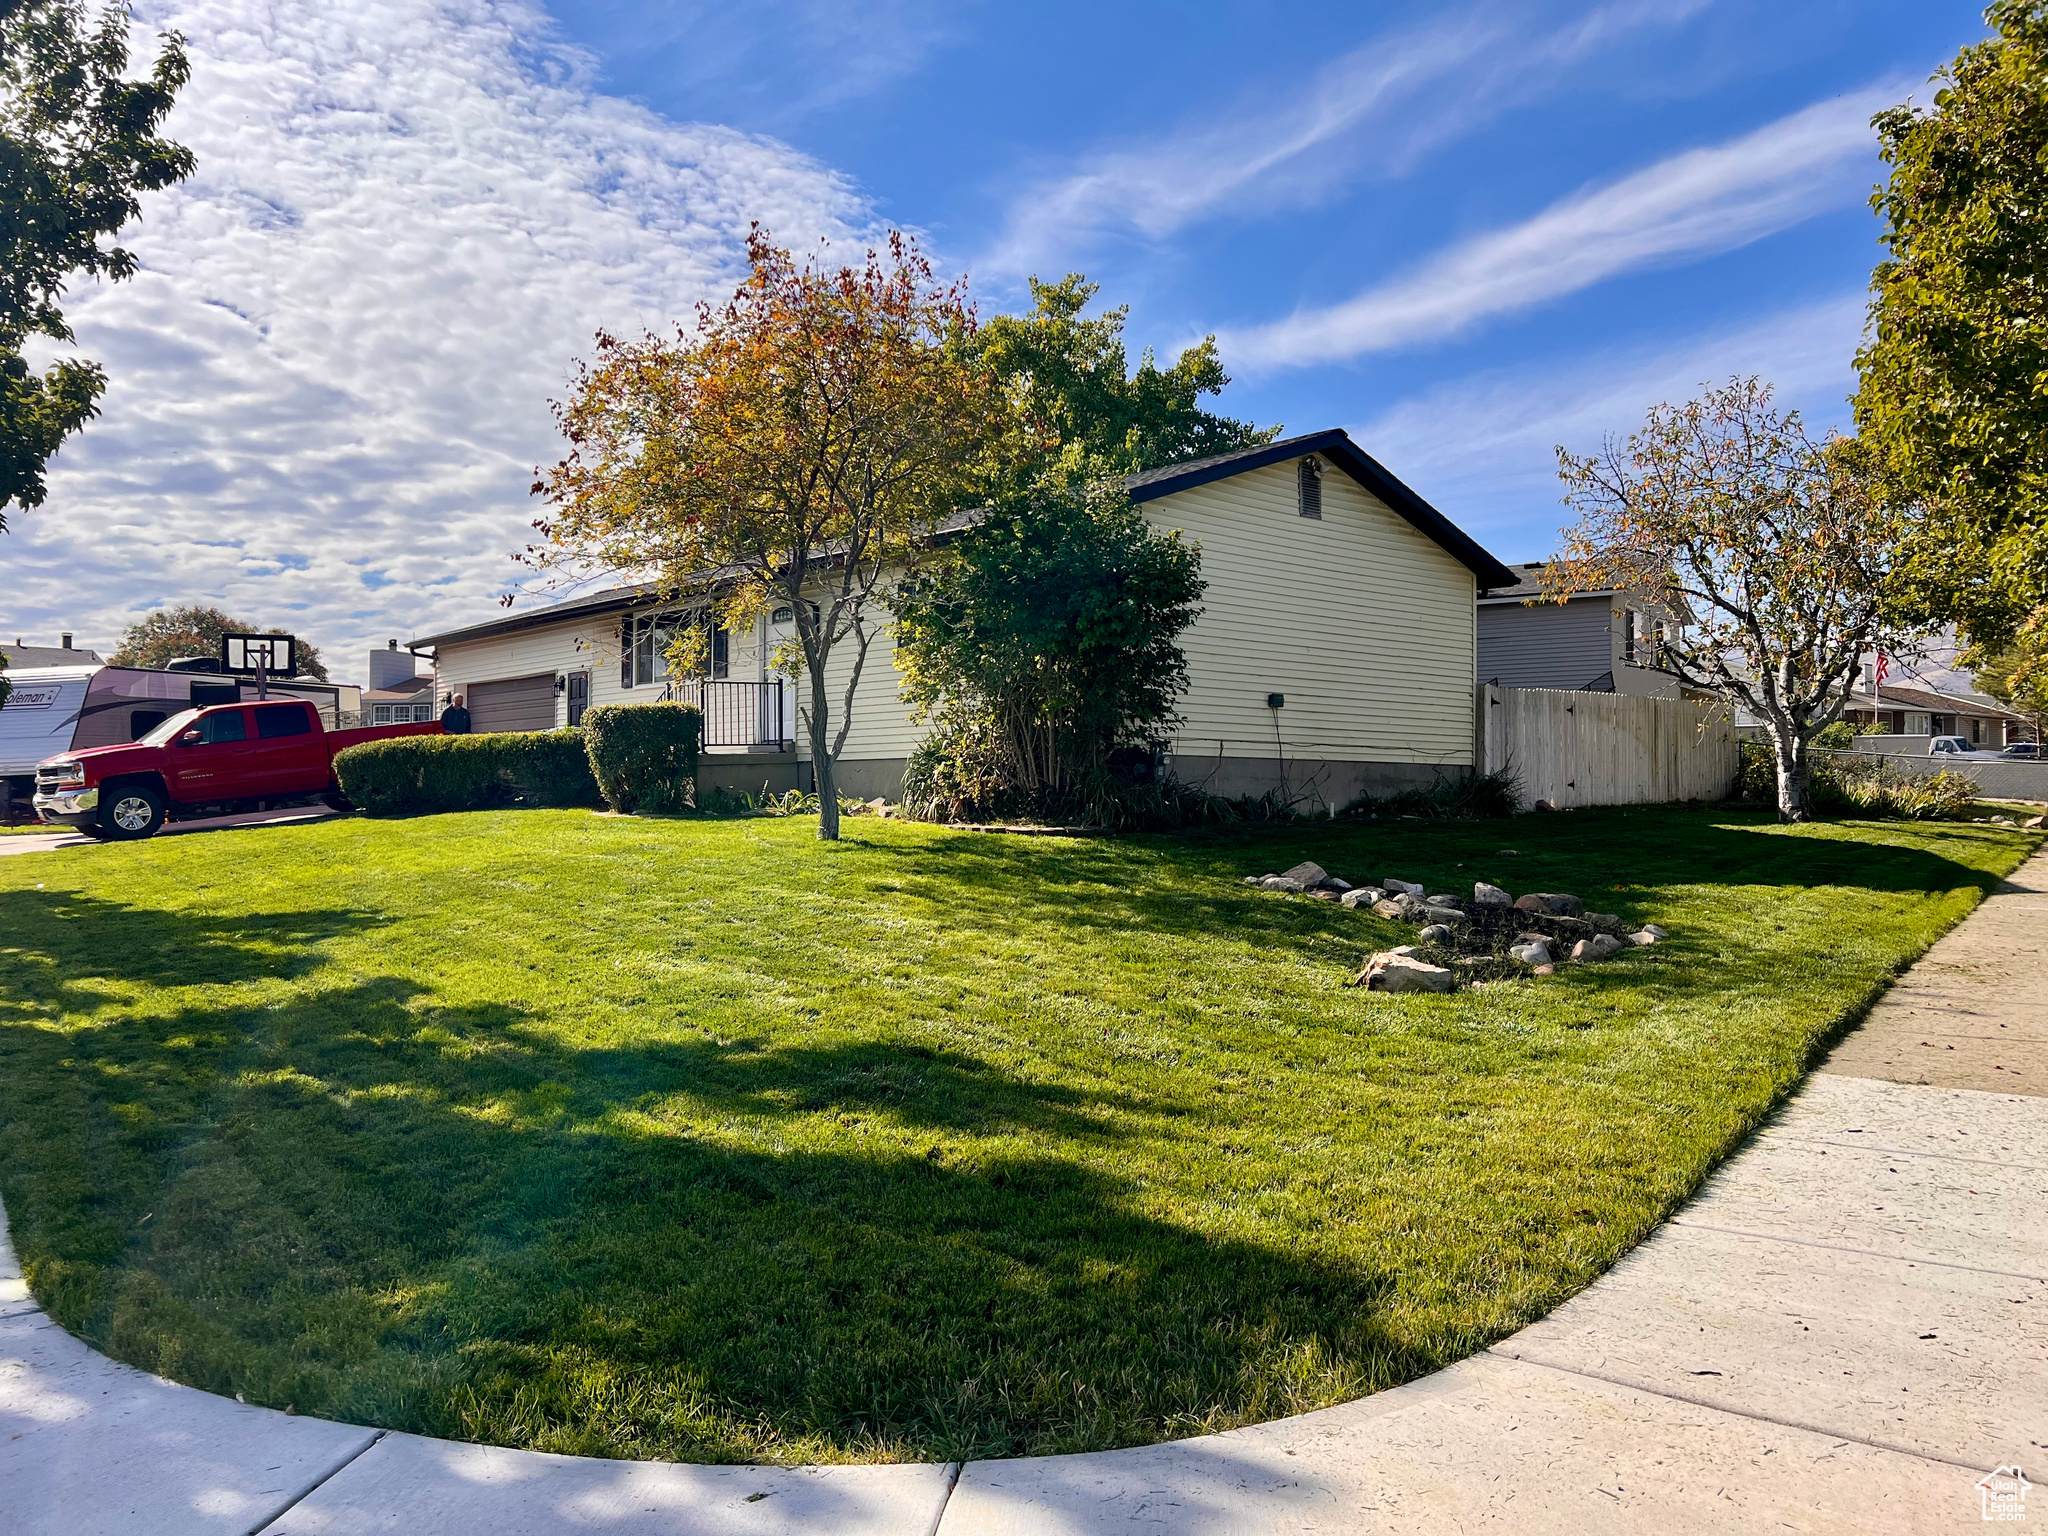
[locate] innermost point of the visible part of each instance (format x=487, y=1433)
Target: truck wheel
x=130, y=812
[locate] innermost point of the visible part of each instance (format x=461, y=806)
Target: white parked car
x=1958, y=747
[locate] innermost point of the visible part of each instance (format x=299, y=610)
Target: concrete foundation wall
x=1316, y=782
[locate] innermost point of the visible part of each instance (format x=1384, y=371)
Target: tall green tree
x=1077, y=408
x=195, y=630
x=1954, y=391
x=78, y=145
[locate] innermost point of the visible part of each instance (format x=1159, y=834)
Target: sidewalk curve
x=1841, y=1332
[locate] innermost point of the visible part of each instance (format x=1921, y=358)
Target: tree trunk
x=821, y=760
x=1793, y=764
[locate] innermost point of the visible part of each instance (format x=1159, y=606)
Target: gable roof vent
x=1311, y=486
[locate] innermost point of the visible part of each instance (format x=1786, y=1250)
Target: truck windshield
x=166, y=733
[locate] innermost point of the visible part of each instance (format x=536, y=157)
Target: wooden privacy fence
x=1575, y=748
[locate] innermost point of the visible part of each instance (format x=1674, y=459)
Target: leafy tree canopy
x=194, y=630
x=1048, y=641
x=1077, y=407
x=2016, y=674
x=1954, y=391
x=798, y=448
x=78, y=144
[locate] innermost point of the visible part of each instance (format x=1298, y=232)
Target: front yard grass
x=705, y=1140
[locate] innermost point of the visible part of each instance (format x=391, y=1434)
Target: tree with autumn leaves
x=1772, y=551
x=796, y=448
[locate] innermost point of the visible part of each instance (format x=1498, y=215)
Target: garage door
x=513, y=704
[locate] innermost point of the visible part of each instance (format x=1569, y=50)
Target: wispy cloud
x=329, y=382
x=1373, y=111
x=773, y=62
x=1482, y=448
x=1686, y=207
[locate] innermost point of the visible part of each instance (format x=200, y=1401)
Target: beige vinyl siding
x=1366, y=625
x=590, y=645
x=882, y=727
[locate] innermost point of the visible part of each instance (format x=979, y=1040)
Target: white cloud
x=1376, y=109
x=1482, y=449
x=1685, y=207
x=329, y=381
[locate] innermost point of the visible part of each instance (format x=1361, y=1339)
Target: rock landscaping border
x=1488, y=937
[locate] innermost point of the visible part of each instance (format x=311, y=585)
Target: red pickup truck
x=223, y=758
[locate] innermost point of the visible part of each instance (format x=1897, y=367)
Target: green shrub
x=1859, y=786
x=411, y=775
x=644, y=756
x=1473, y=795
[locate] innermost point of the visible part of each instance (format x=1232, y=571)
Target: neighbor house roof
x=49, y=656
x=1336, y=446
x=1529, y=583
x=1937, y=703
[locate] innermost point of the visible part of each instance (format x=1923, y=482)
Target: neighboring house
x=19, y=656
x=1594, y=642
x=1334, y=654
x=1923, y=712
x=397, y=695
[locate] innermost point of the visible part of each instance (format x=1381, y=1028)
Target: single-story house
x=1599, y=641
x=1923, y=712
x=1335, y=654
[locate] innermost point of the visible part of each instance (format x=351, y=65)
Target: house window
x=1310, y=480
x=646, y=654
x=1976, y=731
x=1628, y=636
x=380, y=714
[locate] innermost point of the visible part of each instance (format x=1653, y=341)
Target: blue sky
x=1465, y=234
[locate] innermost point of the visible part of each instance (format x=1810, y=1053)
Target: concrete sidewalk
x=1840, y=1333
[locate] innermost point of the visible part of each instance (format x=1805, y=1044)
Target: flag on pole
x=1884, y=668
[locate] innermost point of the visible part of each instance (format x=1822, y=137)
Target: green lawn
x=705, y=1140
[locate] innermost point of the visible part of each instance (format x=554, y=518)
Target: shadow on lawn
x=377, y=1206
x=1177, y=884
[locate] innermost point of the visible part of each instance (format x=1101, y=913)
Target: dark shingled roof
x=1336, y=446
x=1530, y=584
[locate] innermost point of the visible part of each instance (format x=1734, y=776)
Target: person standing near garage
x=455, y=718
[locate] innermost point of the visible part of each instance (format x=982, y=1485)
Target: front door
x=216, y=766
x=579, y=696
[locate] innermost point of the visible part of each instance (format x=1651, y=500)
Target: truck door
x=290, y=756
x=216, y=766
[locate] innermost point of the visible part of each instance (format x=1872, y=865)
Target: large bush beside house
x=411, y=775
x=1043, y=654
x=644, y=756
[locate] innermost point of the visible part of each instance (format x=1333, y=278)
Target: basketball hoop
x=259, y=656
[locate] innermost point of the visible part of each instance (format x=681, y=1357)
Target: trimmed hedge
x=644, y=756
x=408, y=775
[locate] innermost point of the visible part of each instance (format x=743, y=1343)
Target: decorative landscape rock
x=1400, y=907
x=1484, y=895
x=1332, y=883
x=1640, y=938
x=1259, y=879
x=1283, y=883
x=1434, y=913
x=1308, y=874
x=1604, y=922
x=1362, y=896
x=1435, y=933
x=1403, y=886
x=1602, y=946
x=1554, y=902
x=1390, y=972
x=1324, y=893
x=1532, y=954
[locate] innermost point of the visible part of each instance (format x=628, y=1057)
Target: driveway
x=44, y=842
